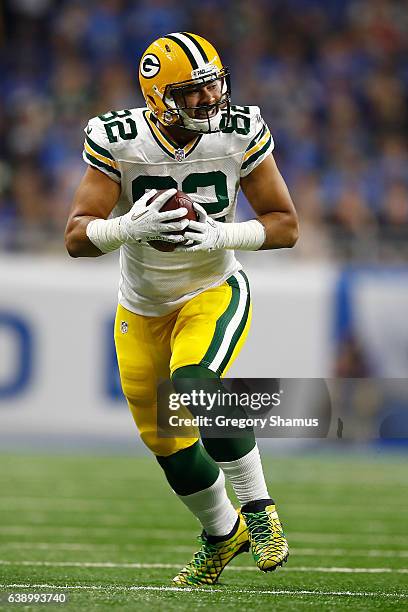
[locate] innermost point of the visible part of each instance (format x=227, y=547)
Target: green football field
x=109, y=533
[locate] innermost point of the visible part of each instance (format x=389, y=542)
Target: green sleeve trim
x=256, y=155
x=99, y=164
x=98, y=149
x=257, y=137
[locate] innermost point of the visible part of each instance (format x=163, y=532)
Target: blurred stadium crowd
x=331, y=78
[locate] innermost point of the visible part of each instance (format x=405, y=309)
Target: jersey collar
x=166, y=143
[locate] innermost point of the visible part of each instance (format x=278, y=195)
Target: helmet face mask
x=182, y=100
x=185, y=84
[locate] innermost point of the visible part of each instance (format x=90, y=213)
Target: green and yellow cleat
x=207, y=564
x=268, y=543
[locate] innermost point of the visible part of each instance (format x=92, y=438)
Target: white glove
x=206, y=234
x=144, y=223
x=141, y=224
x=203, y=235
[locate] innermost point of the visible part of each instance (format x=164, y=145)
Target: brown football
x=179, y=200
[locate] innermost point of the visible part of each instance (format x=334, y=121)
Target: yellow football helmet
x=178, y=63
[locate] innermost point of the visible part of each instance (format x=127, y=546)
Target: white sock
x=213, y=508
x=246, y=476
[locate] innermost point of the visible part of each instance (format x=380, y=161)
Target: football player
x=185, y=314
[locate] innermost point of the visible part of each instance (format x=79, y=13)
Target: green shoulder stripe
x=99, y=164
x=98, y=149
x=256, y=155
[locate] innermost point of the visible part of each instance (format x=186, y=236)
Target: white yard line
x=238, y=568
x=165, y=534
x=309, y=536
x=305, y=552
x=65, y=546
x=129, y=505
x=128, y=532
x=205, y=590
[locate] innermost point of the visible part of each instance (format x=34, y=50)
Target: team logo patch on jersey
x=179, y=155
x=124, y=327
x=150, y=66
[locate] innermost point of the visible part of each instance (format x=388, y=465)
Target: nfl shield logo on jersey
x=179, y=155
x=123, y=327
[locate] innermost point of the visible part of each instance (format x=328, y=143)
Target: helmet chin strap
x=210, y=124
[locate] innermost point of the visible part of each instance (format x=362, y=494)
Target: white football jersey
x=129, y=147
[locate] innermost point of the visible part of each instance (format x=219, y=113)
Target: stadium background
x=331, y=79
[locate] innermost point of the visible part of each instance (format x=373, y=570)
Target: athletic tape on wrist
x=105, y=234
x=246, y=236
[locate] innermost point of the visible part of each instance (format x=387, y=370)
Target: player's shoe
x=268, y=543
x=207, y=564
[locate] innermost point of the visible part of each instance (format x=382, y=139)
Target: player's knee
x=193, y=371
x=165, y=447
x=179, y=459
x=197, y=377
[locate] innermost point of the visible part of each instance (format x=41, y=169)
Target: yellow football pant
x=209, y=330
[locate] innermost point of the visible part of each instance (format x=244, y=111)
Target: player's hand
x=144, y=223
x=202, y=235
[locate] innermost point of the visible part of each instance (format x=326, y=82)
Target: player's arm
x=89, y=232
x=269, y=197
x=95, y=198
x=275, y=227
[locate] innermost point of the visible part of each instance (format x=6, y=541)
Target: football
x=179, y=200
